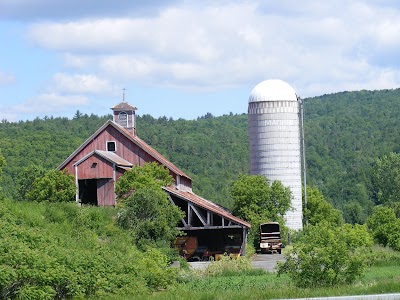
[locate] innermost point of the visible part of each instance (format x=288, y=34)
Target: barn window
x=123, y=119
x=111, y=146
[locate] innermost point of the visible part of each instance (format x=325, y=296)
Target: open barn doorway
x=88, y=191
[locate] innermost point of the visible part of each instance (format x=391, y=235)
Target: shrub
x=53, y=186
x=326, y=256
x=385, y=227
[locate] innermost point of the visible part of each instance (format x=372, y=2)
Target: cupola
x=124, y=115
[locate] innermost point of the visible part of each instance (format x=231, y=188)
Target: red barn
x=114, y=148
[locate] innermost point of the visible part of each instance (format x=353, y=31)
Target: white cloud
x=80, y=84
x=7, y=79
x=320, y=47
x=51, y=102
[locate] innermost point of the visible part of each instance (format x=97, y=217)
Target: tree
x=319, y=210
x=353, y=213
x=386, y=178
x=150, y=215
x=25, y=180
x=255, y=198
x=327, y=256
x=385, y=227
x=149, y=175
x=144, y=207
x=53, y=186
x=257, y=201
x=2, y=163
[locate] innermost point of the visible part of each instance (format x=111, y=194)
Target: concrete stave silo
x=274, y=137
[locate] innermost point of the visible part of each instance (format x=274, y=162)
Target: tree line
x=346, y=133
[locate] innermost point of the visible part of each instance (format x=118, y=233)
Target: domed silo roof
x=273, y=90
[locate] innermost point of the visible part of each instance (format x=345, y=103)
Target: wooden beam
x=198, y=214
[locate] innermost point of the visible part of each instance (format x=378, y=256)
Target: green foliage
x=58, y=251
x=353, y=213
x=2, y=163
x=150, y=216
x=327, y=256
x=385, y=226
x=25, y=179
x=53, y=186
x=150, y=175
x=386, y=178
x=258, y=201
x=319, y=210
x=145, y=208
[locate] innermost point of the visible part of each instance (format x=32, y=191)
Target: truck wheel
x=279, y=251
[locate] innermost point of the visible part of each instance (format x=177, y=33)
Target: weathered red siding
x=105, y=192
x=124, y=148
x=95, y=167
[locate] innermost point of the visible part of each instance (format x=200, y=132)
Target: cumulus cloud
x=6, y=78
x=51, y=102
x=320, y=47
x=80, y=84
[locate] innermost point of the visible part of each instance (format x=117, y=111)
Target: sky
x=183, y=59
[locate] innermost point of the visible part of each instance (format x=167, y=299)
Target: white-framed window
x=123, y=119
x=111, y=146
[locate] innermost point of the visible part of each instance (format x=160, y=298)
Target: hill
x=344, y=132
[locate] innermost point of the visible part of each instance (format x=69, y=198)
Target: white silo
x=274, y=136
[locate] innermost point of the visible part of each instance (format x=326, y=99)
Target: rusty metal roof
x=206, y=204
x=123, y=106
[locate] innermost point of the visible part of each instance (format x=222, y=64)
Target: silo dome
x=273, y=90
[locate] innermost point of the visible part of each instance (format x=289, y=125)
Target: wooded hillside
x=345, y=132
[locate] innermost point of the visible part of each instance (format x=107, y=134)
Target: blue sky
x=183, y=59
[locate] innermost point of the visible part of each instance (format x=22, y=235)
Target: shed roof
x=110, y=156
x=206, y=204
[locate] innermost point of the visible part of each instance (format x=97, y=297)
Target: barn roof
x=110, y=156
x=206, y=204
x=133, y=138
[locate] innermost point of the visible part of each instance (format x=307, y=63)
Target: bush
x=53, y=186
x=72, y=255
x=326, y=256
x=385, y=227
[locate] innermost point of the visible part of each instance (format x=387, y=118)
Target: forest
x=344, y=134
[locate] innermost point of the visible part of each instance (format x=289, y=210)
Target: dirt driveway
x=267, y=261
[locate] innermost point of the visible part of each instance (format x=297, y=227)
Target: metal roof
x=123, y=106
x=206, y=204
x=135, y=139
x=273, y=90
x=110, y=156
